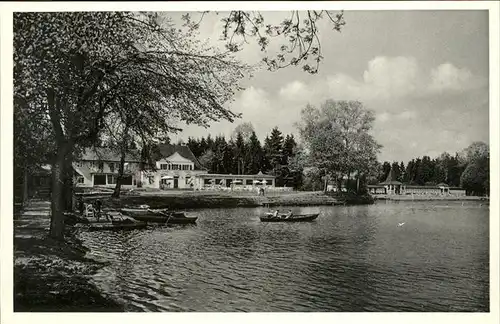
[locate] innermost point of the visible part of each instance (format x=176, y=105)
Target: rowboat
x=117, y=226
x=170, y=218
x=160, y=216
x=142, y=211
x=287, y=218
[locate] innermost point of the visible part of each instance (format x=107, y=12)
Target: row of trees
x=243, y=153
x=81, y=78
x=468, y=169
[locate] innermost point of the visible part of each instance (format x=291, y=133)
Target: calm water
x=350, y=259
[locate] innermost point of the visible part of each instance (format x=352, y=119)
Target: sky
x=423, y=73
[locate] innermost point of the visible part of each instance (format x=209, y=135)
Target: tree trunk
x=25, y=187
x=57, y=203
x=68, y=184
x=326, y=184
x=357, y=183
x=121, y=171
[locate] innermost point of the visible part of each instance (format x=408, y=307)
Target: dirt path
x=51, y=276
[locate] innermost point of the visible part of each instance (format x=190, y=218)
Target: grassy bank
x=53, y=276
x=194, y=200
x=430, y=198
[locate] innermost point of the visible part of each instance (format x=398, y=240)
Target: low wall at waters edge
x=193, y=200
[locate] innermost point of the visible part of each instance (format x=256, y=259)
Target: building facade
x=248, y=182
x=176, y=168
x=100, y=167
x=393, y=187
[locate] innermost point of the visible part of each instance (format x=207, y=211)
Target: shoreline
x=432, y=198
x=213, y=199
x=198, y=200
x=53, y=276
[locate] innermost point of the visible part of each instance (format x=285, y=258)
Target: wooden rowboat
x=142, y=211
x=292, y=218
x=166, y=219
x=116, y=226
x=160, y=216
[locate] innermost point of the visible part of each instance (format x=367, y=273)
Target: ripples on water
x=350, y=259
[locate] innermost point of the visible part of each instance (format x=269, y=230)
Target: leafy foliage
x=338, y=139
x=300, y=31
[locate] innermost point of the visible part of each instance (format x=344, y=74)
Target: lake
x=351, y=259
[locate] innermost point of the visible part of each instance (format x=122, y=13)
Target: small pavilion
x=445, y=189
x=392, y=185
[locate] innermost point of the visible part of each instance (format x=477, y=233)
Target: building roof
x=84, y=171
x=391, y=179
x=166, y=150
x=107, y=154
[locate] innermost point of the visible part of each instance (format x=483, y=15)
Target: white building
x=250, y=182
x=99, y=167
x=176, y=167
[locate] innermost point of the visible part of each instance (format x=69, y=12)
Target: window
x=207, y=181
x=111, y=167
x=127, y=180
x=164, y=166
x=269, y=182
x=111, y=179
x=99, y=179
x=191, y=167
x=239, y=182
x=249, y=182
x=101, y=166
x=80, y=180
x=188, y=179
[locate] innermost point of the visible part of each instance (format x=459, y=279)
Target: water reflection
x=349, y=259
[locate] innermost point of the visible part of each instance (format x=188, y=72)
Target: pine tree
x=289, y=146
x=402, y=170
x=386, y=168
x=395, y=168
x=275, y=149
x=255, y=155
x=240, y=153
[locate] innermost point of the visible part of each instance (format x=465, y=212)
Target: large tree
x=337, y=136
x=475, y=177
x=74, y=65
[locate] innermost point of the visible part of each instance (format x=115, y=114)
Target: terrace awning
x=167, y=178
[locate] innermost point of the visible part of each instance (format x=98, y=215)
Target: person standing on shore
x=81, y=205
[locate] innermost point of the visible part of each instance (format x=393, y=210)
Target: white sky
x=424, y=73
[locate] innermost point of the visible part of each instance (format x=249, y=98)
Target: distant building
x=391, y=186
x=100, y=166
x=209, y=181
x=176, y=168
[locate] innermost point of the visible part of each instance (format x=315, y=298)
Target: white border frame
x=6, y=297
